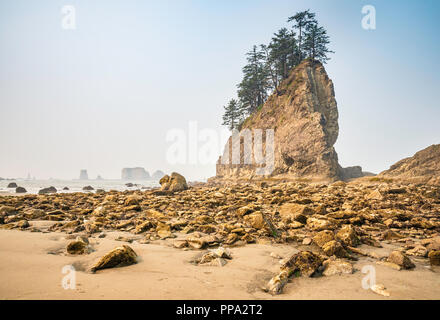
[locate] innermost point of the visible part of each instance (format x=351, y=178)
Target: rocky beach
x=264, y=240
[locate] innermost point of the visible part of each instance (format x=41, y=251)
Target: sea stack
x=135, y=174
x=303, y=115
x=83, y=175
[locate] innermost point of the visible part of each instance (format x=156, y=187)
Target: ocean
x=33, y=186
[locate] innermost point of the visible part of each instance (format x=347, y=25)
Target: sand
x=31, y=268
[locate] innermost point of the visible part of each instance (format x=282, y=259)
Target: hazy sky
x=103, y=96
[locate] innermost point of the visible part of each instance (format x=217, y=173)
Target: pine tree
x=252, y=91
x=302, y=20
x=232, y=115
x=315, y=42
x=282, y=50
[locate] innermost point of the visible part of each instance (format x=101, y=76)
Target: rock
x=174, y=183
x=20, y=190
x=305, y=115
x=348, y=236
x=374, y=195
x=163, y=230
x=422, y=168
x=275, y=255
x=244, y=211
x=380, y=289
x=307, y=241
x=277, y=283
x=322, y=237
x=401, y=260
x=77, y=247
x=336, y=267
x=418, y=251
x=433, y=244
x=389, y=265
x=23, y=224
x=132, y=200
x=118, y=257
x=12, y=185
x=142, y=227
x=215, y=257
x=334, y=248
x=256, y=220
x=391, y=235
x=434, y=257
x=319, y=224
x=179, y=244
x=306, y=262
x=88, y=188
x=66, y=189
x=7, y=211
x=47, y=190
x=295, y=212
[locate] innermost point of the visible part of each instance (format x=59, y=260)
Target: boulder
x=400, y=259
x=77, y=247
x=322, y=237
x=174, y=183
x=118, y=257
x=434, y=257
x=336, y=267
x=319, y=224
x=306, y=262
x=295, y=212
x=334, y=248
x=23, y=224
x=348, y=236
x=20, y=190
x=47, y=190
x=12, y=185
x=88, y=188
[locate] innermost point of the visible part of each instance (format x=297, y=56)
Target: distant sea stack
x=83, y=175
x=135, y=174
x=423, y=167
x=304, y=116
x=158, y=175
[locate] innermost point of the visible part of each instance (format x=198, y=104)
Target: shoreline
x=261, y=225
x=164, y=272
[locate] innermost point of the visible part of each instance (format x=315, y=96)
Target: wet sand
x=31, y=268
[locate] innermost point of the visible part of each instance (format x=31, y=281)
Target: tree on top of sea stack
x=268, y=65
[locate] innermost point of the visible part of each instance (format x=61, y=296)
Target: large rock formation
x=304, y=116
x=423, y=167
x=135, y=174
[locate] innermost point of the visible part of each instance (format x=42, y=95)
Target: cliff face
x=423, y=167
x=304, y=117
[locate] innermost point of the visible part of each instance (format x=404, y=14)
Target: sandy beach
x=31, y=267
